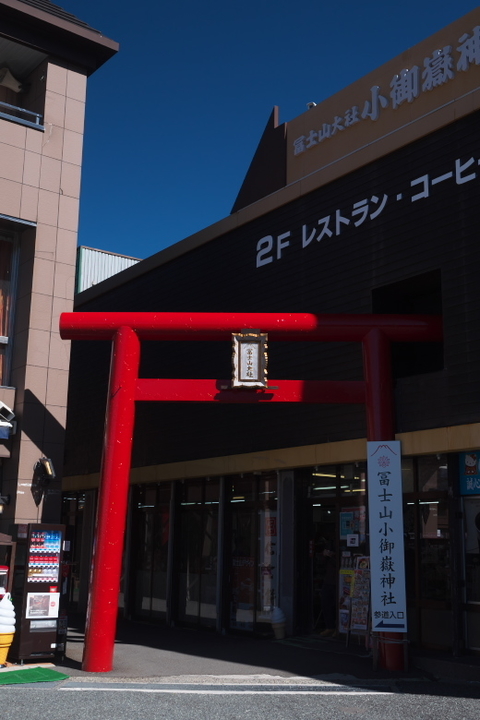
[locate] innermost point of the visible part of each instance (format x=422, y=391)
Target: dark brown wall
x=337, y=274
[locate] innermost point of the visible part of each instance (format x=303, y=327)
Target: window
x=7, y=273
x=418, y=295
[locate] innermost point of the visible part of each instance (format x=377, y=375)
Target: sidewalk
x=155, y=651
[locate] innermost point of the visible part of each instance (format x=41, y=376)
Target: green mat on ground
x=30, y=675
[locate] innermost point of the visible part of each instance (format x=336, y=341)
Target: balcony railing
x=20, y=115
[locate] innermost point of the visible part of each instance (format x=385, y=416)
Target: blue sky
x=174, y=119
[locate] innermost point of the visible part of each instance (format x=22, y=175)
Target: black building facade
x=232, y=506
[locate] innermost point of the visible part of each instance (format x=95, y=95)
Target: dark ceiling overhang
x=56, y=36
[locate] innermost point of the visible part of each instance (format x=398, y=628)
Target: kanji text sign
x=389, y=608
x=443, y=65
x=345, y=220
x=249, y=359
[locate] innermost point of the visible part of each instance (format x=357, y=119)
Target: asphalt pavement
x=176, y=673
x=144, y=651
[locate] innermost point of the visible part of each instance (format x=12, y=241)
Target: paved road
x=252, y=698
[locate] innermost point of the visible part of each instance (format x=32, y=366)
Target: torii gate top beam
x=279, y=326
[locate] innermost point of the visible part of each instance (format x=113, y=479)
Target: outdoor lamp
x=47, y=467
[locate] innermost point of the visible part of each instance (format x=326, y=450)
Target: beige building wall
x=40, y=184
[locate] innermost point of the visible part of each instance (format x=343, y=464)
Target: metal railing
x=20, y=115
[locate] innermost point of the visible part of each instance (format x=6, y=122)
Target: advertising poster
x=346, y=577
x=42, y=605
x=352, y=522
x=360, y=600
x=268, y=559
x=469, y=472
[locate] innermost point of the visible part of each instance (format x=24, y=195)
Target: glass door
x=253, y=562
x=150, y=530
x=428, y=550
x=324, y=566
x=198, y=539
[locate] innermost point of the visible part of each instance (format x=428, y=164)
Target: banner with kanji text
x=387, y=559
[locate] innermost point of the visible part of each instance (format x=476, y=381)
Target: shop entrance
x=324, y=570
x=336, y=517
x=334, y=539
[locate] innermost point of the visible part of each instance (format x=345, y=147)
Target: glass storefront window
x=408, y=477
x=7, y=273
x=267, y=489
x=160, y=552
x=434, y=550
x=73, y=512
x=472, y=548
x=353, y=478
x=323, y=482
x=143, y=559
x=211, y=491
x=254, y=561
x=191, y=493
x=191, y=537
x=242, y=599
x=434, y=519
x=409, y=516
x=198, y=538
x=428, y=548
x=432, y=473
x=241, y=489
x=151, y=527
x=147, y=497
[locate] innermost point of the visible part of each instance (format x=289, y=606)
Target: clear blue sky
x=174, y=119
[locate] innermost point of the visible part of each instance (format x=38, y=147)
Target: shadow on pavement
x=158, y=651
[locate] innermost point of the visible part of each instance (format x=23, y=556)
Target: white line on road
x=178, y=691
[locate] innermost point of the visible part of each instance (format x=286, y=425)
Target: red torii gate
x=128, y=329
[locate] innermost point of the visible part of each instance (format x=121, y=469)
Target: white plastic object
x=7, y=611
x=7, y=629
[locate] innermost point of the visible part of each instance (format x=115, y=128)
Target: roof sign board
x=422, y=89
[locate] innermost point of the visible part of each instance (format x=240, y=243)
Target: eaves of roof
x=57, y=11
x=49, y=28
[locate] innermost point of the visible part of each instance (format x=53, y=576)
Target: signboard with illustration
x=344, y=598
x=352, y=522
x=361, y=596
x=469, y=472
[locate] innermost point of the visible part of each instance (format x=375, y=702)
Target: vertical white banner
x=387, y=558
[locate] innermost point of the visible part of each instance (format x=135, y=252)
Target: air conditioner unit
x=6, y=414
x=8, y=81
